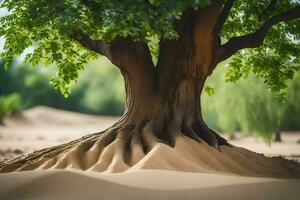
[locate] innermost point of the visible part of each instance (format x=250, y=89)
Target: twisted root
x=148, y=146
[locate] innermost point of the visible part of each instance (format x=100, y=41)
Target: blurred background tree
x=99, y=89
x=248, y=106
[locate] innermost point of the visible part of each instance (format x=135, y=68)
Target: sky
x=3, y=12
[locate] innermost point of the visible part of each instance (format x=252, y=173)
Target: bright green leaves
x=70, y=59
x=68, y=56
x=137, y=19
x=47, y=26
x=209, y=90
x=278, y=58
x=8, y=62
x=43, y=26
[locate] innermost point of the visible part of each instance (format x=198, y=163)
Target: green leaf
x=7, y=62
x=209, y=90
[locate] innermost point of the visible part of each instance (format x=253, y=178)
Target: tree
x=162, y=93
x=247, y=107
x=291, y=116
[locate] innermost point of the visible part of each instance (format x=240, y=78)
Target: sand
x=42, y=127
x=215, y=178
x=146, y=184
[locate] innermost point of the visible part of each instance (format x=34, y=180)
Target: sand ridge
x=143, y=184
x=186, y=155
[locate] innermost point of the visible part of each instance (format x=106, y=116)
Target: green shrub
x=8, y=104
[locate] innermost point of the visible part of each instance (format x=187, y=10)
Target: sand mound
x=145, y=184
x=186, y=155
x=42, y=115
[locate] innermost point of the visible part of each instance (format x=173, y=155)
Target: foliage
x=9, y=103
x=209, y=90
x=248, y=106
x=48, y=26
x=278, y=58
x=291, y=114
x=91, y=94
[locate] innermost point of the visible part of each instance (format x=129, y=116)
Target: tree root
x=147, y=145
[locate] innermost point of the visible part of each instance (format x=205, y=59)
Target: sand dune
x=186, y=155
x=146, y=184
x=41, y=127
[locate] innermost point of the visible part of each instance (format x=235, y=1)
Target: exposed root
x=143, y=146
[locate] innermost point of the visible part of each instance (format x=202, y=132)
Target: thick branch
x=97, y=46
x=131, y=55
x=255, y=39
x=124, y=52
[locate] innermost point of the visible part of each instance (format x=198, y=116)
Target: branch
x=97, y=46
x=271, y=6
x=254, y=40
x=123, y=52
x=224, y=14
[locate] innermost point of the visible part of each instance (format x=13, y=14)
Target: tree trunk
x=151, y=114
x=173, y=105
x=277, y=136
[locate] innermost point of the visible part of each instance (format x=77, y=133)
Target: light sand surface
x=43, y=127
x=143, y=185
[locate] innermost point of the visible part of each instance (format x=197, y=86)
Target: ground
x=146, y=185
x=42, y=127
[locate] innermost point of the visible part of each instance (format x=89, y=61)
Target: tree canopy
x=263, y=35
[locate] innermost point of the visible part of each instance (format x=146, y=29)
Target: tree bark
x=176, y=106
